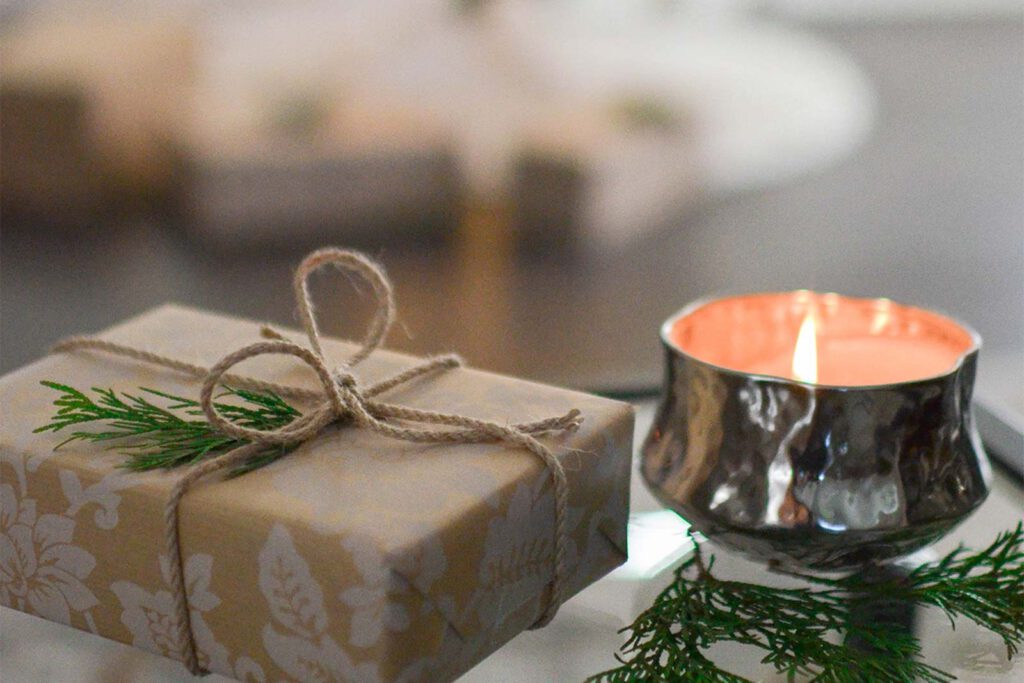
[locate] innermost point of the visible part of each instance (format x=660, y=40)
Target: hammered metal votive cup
x=817, y=477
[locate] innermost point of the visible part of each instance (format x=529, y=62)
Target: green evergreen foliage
x=152, y=436
x=801, y=630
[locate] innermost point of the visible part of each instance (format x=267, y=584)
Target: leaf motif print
x=517, y=559
x=374, y=611
x=295, y=599
x=248, y=671
x=308, y=652
x=198, y=574
x=519, y=552
x=316, y=660
x=212, y=655
x=149, y=617
x=377, y=601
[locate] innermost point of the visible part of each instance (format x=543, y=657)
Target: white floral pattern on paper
x=375, y=608
x=103, y=493
x=40, y=570
x=246, y=669
x=306, y=651
x=518, y=557
x=150, y=616
x=374, y=612
x=614, y=506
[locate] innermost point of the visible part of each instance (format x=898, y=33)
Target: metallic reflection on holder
x=816, y=476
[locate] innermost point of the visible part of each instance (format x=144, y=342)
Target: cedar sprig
x=986, y=587
x=801, y=630
x=164, y=437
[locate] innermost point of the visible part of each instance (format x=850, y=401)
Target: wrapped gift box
x=354, y=558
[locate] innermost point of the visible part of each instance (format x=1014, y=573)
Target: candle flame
x=805, y=355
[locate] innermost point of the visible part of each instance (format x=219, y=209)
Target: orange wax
x=856, y=342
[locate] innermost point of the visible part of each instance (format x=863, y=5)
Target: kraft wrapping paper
x=355, y=558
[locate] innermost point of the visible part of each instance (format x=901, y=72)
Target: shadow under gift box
x=356, y=557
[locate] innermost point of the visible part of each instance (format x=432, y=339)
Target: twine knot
x=346, y=380
x=341, y=398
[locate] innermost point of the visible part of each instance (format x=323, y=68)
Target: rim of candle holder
x=694, y=306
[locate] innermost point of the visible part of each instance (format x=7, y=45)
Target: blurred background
x=545, y=180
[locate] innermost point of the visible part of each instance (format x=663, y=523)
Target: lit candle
x=805, y=355
x=822, y=338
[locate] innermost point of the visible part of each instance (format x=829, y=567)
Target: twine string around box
x=340, y=399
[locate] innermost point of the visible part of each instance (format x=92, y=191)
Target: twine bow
x=340, y=399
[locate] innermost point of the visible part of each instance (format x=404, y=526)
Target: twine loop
x=341, y=398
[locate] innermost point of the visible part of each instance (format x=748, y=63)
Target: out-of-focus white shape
x=656, y=540
x=759, y=103
x=252, y=58
x=769, y=102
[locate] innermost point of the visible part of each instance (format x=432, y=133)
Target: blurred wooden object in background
x=93, y=106
x=320, y=167
x=50, y=170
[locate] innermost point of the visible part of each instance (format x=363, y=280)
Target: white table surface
x=583, y=637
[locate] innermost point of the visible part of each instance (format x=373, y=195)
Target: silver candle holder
x=807, y=474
